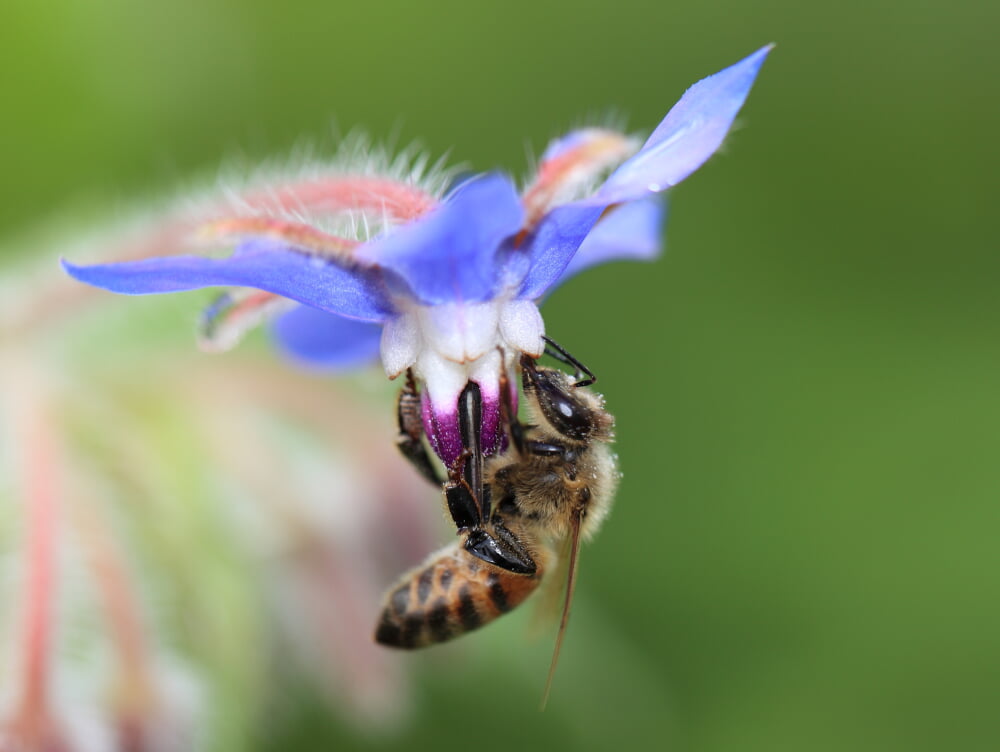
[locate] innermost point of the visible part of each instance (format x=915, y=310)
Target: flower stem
x=32, y=723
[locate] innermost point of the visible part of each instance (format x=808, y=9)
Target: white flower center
x=449, y=344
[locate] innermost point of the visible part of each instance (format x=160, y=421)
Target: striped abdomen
x=453, y=593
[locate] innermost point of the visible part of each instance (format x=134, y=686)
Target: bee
x=519, y=514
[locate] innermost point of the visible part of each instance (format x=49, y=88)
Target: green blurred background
x=804, y=552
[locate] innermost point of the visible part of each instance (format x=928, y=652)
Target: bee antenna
x=556, y=351
x=574, y=555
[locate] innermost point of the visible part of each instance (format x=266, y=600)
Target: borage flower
x=448, y=285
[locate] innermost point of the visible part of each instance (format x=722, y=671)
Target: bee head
x=575, y=413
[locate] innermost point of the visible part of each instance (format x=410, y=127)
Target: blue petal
x=264, y=264
x=317, y=339
x=451, y=255
x=690, y=133
x=551, y=247
x=632, y=232
x=568, y=240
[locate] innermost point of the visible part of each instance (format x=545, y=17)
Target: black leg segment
x=411, y=432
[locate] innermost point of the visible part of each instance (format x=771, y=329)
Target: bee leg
x=503, y=550
x=411, y=432
x=470, y=423
x=508, y=414
x=462, y=505
x=467, y=496
x=557, y=352
x=544, y=448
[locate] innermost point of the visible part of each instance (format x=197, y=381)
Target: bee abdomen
x=452, y=594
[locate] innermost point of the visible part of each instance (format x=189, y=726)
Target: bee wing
x=571, y=563
x=549, y=600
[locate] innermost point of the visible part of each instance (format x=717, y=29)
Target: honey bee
x=518, y=513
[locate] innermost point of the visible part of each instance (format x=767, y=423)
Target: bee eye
x=565, y=413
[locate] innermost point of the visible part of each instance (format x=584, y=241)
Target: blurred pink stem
x=396, y=198
x=135, y=696
x=32, y=719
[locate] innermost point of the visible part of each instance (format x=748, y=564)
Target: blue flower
x=448, y=284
